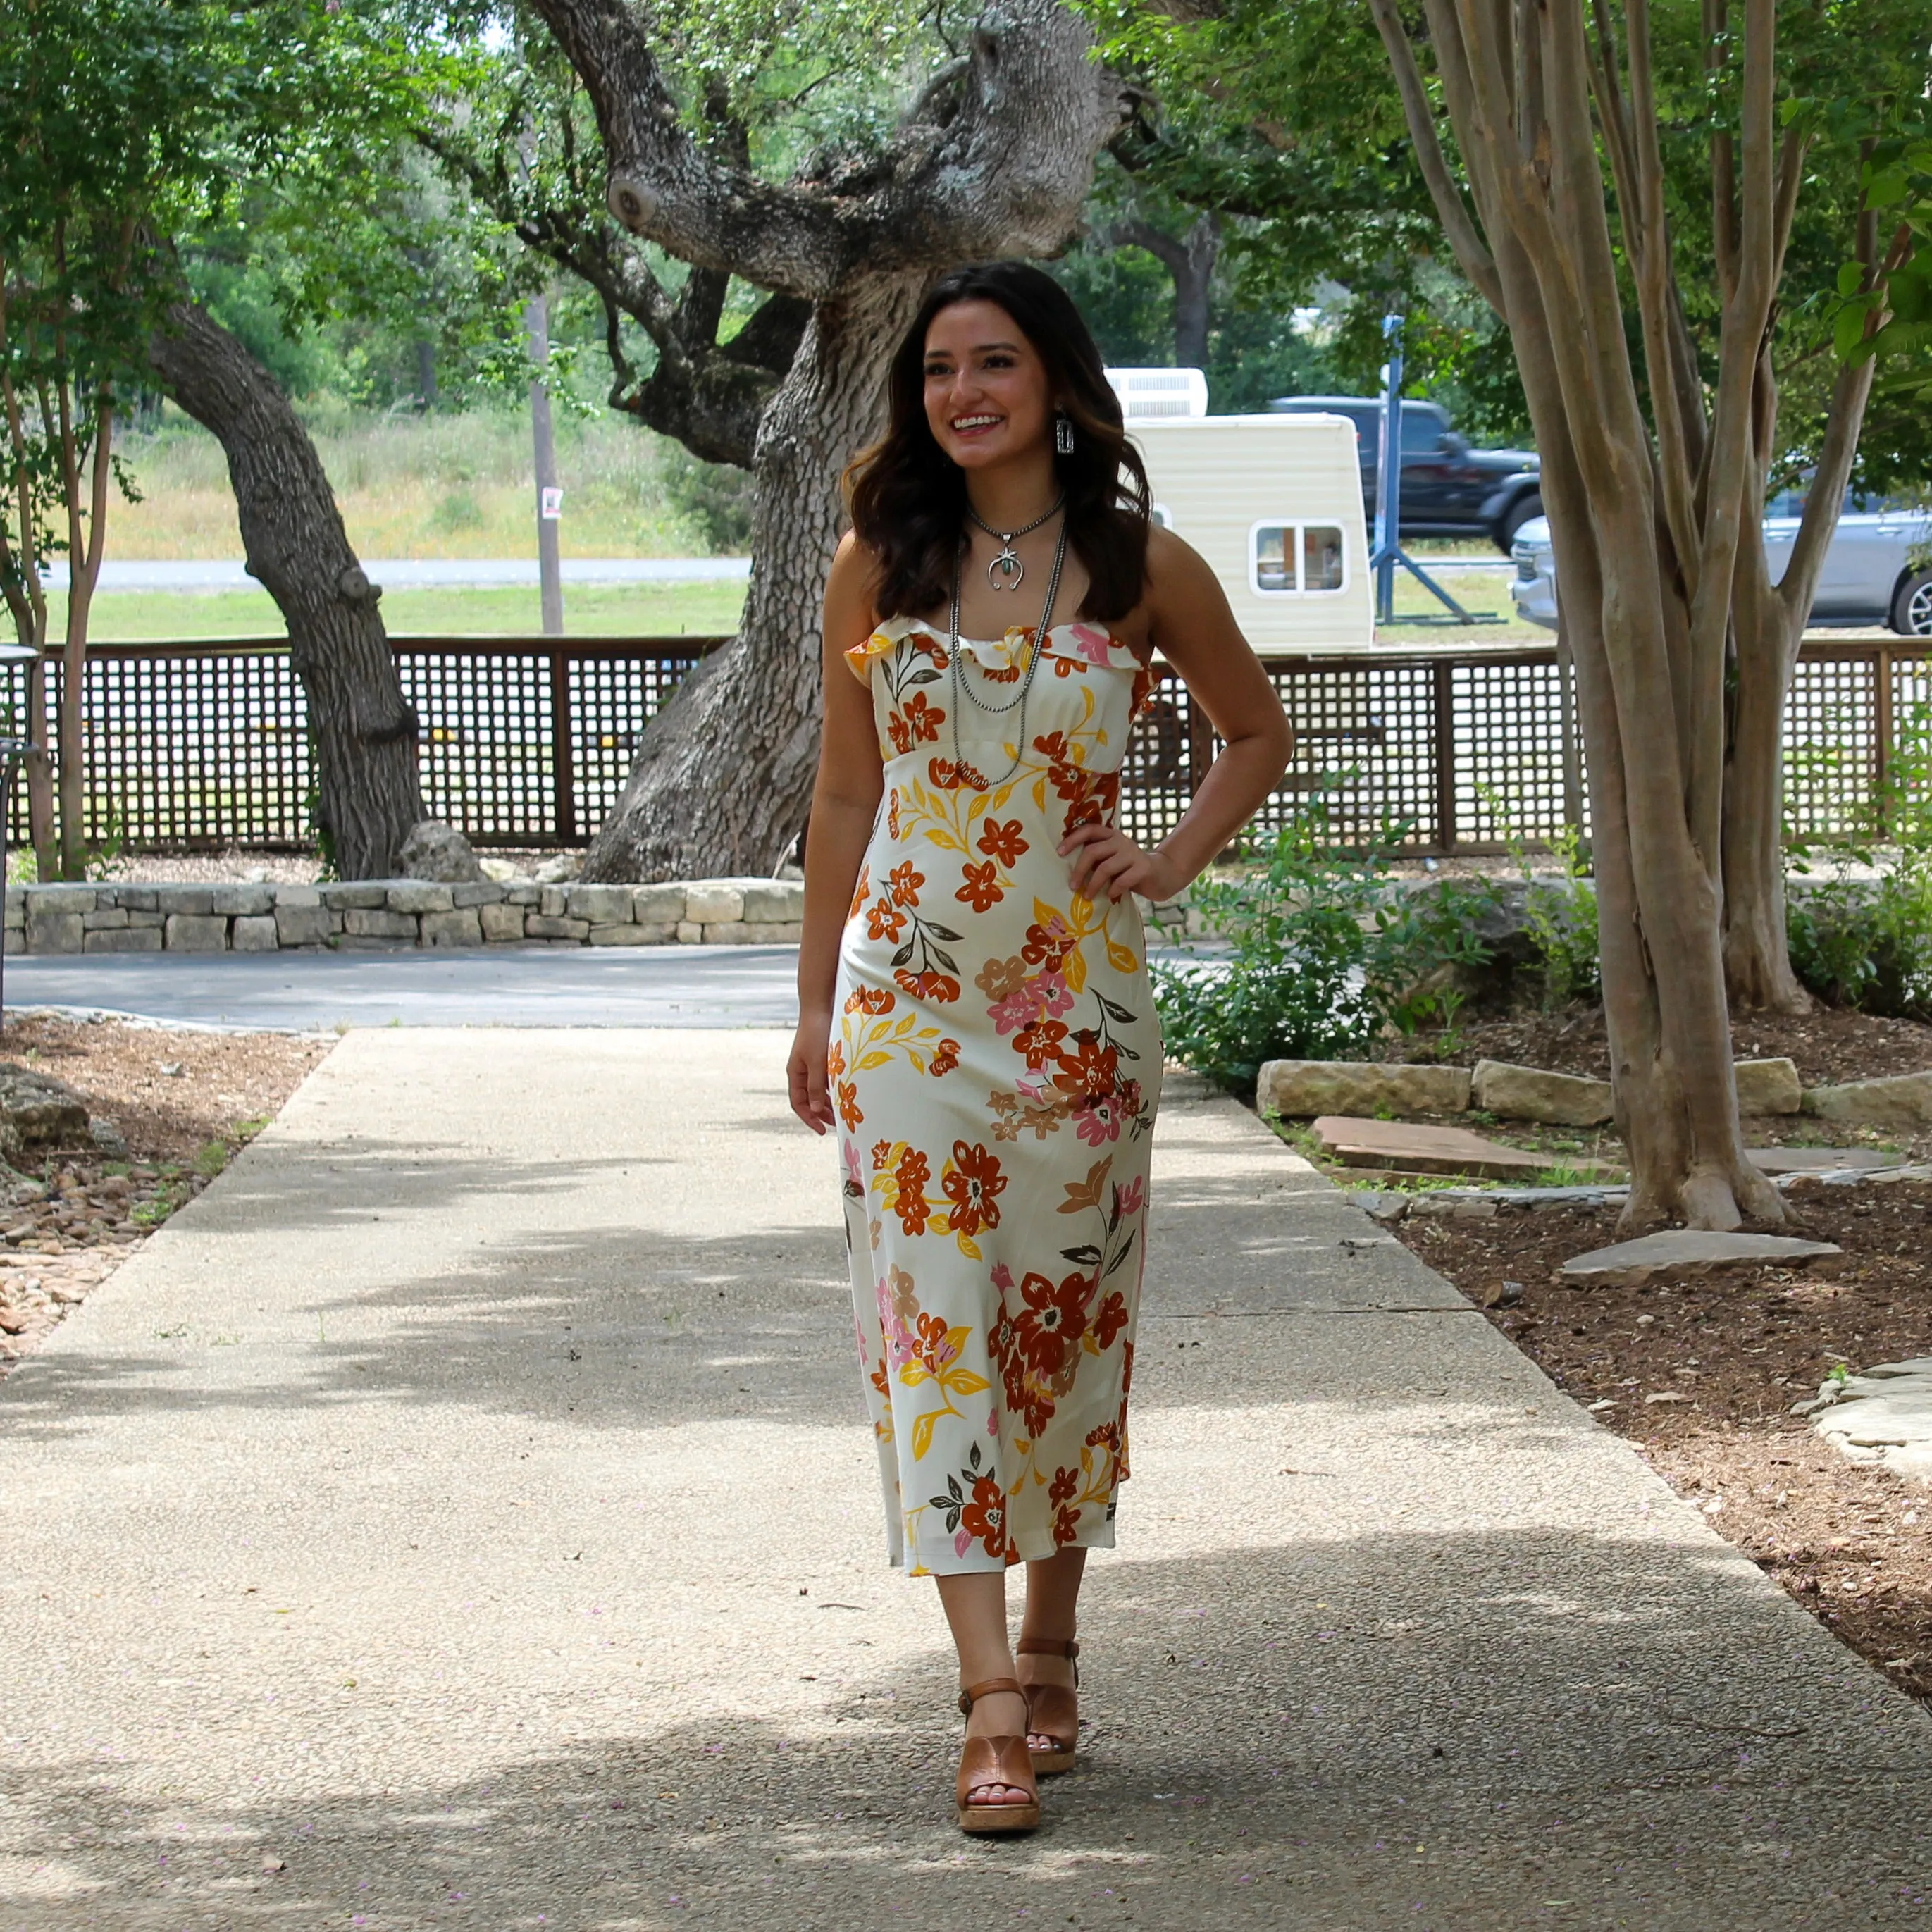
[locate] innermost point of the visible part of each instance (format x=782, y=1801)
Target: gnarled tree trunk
x=1190, y=259
x=725, y=775
x=994, y=158
x=364, y=731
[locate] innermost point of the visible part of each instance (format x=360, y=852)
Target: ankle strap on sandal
x=1047, y=1646
x=973, y=1693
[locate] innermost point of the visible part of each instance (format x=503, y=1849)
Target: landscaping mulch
x=1701, y=1374
x=1829, y=1045
x=183, y=1101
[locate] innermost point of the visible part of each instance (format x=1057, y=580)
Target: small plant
x=1866, y=942
x=1327, y=950
x=1560, y=914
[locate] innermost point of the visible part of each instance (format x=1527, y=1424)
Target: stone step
x=1399, y=1146
x=1679, y=1251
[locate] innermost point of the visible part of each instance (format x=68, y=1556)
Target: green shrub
x=1327, y=952
x=1561, y=916
x=1866, y=942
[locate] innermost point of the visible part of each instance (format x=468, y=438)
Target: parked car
x=1868, y=577
x=1448, y=489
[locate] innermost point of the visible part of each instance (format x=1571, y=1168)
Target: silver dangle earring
x=1062, y=435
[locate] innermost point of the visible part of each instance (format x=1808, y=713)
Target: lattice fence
x=527, y=741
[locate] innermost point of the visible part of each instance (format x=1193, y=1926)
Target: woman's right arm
x=845, y=802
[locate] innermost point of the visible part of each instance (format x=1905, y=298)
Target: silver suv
x=1868, y=577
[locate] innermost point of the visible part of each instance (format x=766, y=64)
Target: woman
x=975, y=1016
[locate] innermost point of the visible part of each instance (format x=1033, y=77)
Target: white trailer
x=1274, y=503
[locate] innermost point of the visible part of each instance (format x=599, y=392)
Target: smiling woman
x=971, y=929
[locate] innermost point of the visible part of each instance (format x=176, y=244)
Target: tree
x=365, y=732
x=1656, y=528
x=991, y=154
x=100, y=101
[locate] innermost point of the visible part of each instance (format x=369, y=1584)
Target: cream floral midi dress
x=995, y=1072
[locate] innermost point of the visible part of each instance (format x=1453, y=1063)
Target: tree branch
x=1472, y=257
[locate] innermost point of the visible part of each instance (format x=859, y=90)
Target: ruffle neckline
x=1085, y=643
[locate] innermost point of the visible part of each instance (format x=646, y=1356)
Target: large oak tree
x=990, y=152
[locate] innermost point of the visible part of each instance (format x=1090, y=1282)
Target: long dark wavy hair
x=908, y=497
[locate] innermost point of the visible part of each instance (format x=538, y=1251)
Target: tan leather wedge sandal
x=985, y=1761
x=1053, y=1711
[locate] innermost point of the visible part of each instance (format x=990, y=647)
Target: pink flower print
x=1020, y=1008
x=962, y=1543
x=1095, y=1120
x=1002, y=1276
x=1032, y=1087
x=1054, y=995
x=1129, y=1197
x=1093, y=645
x=853, y=1174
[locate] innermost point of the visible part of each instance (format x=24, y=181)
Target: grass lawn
x=589, y=610
x=1476, y=592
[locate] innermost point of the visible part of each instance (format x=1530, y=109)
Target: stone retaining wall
x=399, y=915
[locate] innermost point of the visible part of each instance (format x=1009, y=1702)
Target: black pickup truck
x=1448, y=489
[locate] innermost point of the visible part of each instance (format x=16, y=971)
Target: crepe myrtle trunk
x=364, y=731
x=724, y=777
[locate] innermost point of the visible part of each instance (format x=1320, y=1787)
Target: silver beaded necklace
x=960, y=689
x=1005, y=572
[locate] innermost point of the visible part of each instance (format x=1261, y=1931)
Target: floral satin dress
x=995, y=1071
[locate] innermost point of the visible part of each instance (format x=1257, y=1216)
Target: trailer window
x=1296, y=560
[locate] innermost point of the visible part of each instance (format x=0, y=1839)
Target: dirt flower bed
x=183, y=1101
x=1829, y=1045
x=1701, y=1374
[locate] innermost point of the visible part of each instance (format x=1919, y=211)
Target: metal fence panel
x=528, y=741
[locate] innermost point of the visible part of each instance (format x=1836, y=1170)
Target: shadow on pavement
x=1425, y=1731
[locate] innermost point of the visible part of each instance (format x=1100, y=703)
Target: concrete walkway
x=460, y=1517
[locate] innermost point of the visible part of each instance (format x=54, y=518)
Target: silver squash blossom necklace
x=1005, y=572
x=962, y=689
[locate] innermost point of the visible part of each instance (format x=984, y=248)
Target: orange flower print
x=984, y=1519
x=910, y=1205
x=1052, y=1322
x=865, y=891
x=835, y=1060
x=1066, y=1525
x=1052, y=747
x=1090, y=1069
x=946, y=1059
x=923, y=720
x=892, y=820
x=848, y=1107
x=998, y=977
x=983, y=890
x=868, y=1000
x=884, y=920
x=1065, y=1482
x=1111, y=1320
x=948, y=776
x=940, y=988
x=974, y=1184
x=905, y=882
x=1003, y=842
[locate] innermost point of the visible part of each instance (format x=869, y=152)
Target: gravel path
x=460, y=1516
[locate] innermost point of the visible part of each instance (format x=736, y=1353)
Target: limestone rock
x=1396, y=1146
x=1768, y=1087
x=436, y=850
x=1299, y=1089
x=38, y=1110
x=1780, y=1160
x=1691, y=1251
x=559, y=870
x=1903, y=1101
x=1529, y=1094
x=1882, y=1414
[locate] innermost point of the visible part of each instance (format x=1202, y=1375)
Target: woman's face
x=987, y=396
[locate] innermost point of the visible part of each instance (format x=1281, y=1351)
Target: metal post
x=1389, y=552
x=550, y=497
